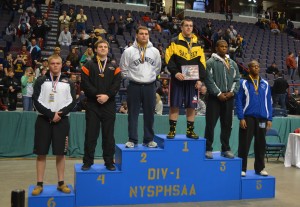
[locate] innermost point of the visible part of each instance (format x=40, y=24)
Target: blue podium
x=51, y=197
x=176, y=171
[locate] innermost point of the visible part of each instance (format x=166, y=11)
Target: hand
x=222, y=97
x=229, y=95
x=198, y=85
x=269, y=125
x=10, y=88
x=102, y=98
x=179, y=76
x=243, y=124
x=57, y=117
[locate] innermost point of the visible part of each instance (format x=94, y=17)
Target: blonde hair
x=54, y=57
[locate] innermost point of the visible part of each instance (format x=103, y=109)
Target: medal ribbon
x=142, y=53
x=101, y=67
x=54, y=83
x=254, y=84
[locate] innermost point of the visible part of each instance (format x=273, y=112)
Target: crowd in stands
x=76, y=37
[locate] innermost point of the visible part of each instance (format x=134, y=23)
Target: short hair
x=10, y=70
x=220, y=41
x=253, y=62
x=54, y=57
x=185, y=20
x=141, y=28
x=100, y=42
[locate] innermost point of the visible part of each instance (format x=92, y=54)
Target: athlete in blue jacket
x=254, y=110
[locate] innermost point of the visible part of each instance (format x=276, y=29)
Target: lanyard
x=100, y=66
x=142, y=51
x=54, y=83
x=255, y=84
x=227, y=63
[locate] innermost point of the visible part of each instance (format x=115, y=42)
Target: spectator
x=19, y=65
x=47, y=24
x=72, y=21
x=229, y=15
x=121, y=25
x=99, y=31
x=112, y=25
x=39, y=32
x=274, y=27
x=298, y=63
x=74, y=57
x=273, y=69
x=289, y=28
x=279, y=91
x=23, y=32
x=291, y=64
x=295, y=101
x=90, y=42
x=232, y=32
x=27, y=82
x=123, y=108
x=64, y=20
x=11, y=32
x=31, y=9
x=208, y=31
x=8, y=63
x=88, y=55
x=12, y=86
x=56, y=51
x=65, y=37
x=35, y=51
x=129, y=22
x=201, y=108
x=203, y=95
x=282, y=21
x=24, y=18
x=157, y=27
x=158, y=105
x=14, y=6
x=44, y=67
x=81, y=19
x=26, y=56
x=67, y=67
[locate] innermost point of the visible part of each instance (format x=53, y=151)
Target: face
x=11, y=74
x=90, y=50
x=296, y=91
x=55, y=65
x=1, y=67
x=23, y=48
x=187, y=28
x=102, y=49
x=254, y=68
x=222, y=48
x=203, y=90
x=73, y=78
x=68, y=63
x=33, y=42
x=142, y=36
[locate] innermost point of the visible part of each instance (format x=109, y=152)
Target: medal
x=255, y=84
x=54, y=83
x=101, y=67
x=142, y=51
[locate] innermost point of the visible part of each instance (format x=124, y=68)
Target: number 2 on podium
x=101, y=178
x=144, y=156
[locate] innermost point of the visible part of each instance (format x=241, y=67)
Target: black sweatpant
x=99, y=116
x=215, y=109
x=257, y=128
x=141, y=95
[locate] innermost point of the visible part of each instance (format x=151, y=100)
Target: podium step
x=51, y=197
x=221, y=178
x=256, y=186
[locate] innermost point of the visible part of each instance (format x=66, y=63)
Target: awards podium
x=176, y=171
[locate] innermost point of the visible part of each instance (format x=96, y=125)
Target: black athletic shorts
x=47, y=133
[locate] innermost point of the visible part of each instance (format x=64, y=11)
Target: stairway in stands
x=52, y=36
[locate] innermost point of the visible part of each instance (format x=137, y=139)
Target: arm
x=115, y=86
x=158, y=63
x=37, y=105
x=169, y=58
x=124, y=64
x=209, y=80
x=24, y=81
x=269, y=104
x=202, y=66
x=67, y=109
x=89, y=89
x=239, y=103
x=236, y=81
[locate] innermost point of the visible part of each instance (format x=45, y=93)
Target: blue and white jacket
x=248, y=103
